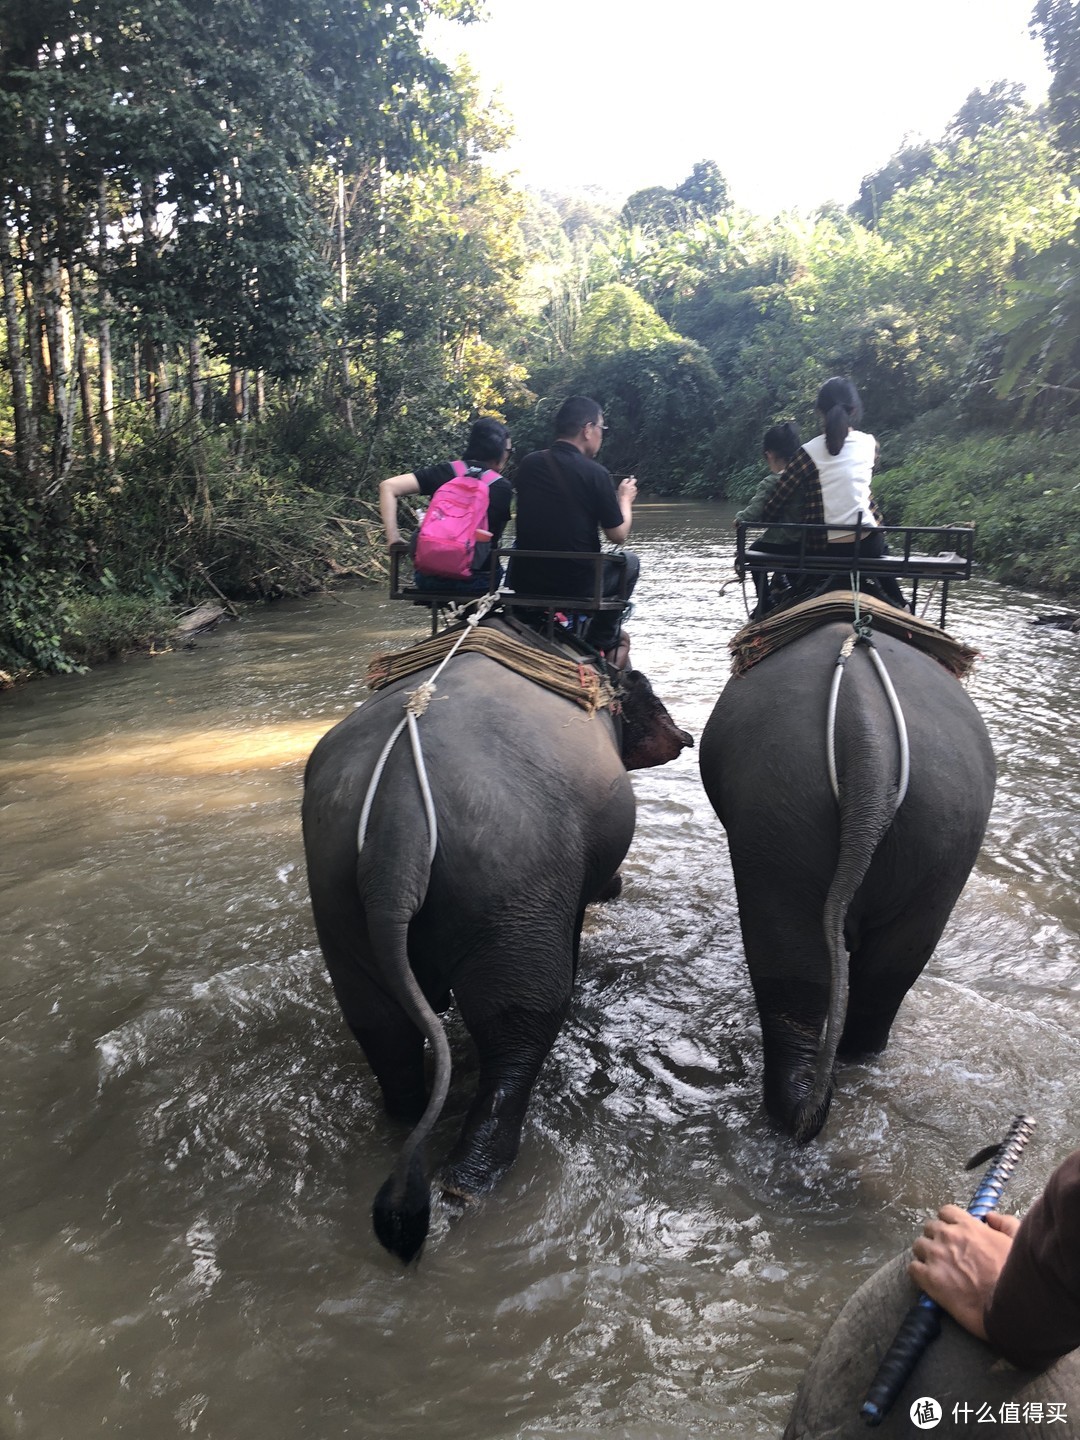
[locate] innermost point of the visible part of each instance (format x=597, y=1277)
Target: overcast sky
x=794, y=111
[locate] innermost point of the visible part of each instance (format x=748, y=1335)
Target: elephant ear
x=649, y=735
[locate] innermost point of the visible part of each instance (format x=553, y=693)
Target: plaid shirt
x=798, y=491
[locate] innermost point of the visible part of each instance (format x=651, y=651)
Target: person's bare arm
x=625, y=495
x=390, y=492
x=958, y=1260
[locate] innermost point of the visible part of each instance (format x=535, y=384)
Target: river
x=192, y=1140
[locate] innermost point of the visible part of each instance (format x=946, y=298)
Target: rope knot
x=418, y=700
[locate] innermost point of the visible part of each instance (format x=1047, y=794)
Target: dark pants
x=604, y=627
x=477, y=584
x=872, y=545
x=761, y=577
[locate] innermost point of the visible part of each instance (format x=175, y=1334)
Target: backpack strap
x=488, y=476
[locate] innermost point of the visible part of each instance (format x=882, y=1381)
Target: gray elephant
x=841, y=903
x=973, y=1387
x=534, y=814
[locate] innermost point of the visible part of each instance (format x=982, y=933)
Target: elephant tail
x=401, y=1211
x=868, y=800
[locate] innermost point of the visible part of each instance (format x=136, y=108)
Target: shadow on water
x=192, y=1140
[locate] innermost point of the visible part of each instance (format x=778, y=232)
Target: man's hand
x=628, y=488
x=958, y=1260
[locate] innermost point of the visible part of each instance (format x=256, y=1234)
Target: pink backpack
x=446, y=542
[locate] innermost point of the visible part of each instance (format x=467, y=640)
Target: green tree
x=617, y=319
x=984, y=108
x=703, y=195
x=905, y=167
x=435, y=256
x=965, y=229
x=1057, y=24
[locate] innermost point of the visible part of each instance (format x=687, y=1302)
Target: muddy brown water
x=191, y=1139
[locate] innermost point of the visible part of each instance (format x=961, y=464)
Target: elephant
x=841, y=903
x=534, y=813
x=964, y=1376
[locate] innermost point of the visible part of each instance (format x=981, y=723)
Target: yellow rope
x=760, y=638
x=577, y=681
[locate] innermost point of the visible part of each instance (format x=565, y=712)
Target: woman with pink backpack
x=469, y=509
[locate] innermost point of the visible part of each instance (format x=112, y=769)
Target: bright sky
x=795, y=109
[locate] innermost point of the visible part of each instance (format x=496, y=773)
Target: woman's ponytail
x=838, y=401
x=837, y=426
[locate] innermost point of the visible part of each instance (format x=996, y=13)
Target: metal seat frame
x=953, y=560
x=583, y=606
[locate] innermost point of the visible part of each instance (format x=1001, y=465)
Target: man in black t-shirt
x=563, y=496
x=487, y=448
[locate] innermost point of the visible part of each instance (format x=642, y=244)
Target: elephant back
x=966, y=1377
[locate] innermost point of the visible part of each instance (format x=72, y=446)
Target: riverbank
x=81, y=604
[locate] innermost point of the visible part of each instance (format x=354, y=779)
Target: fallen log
x=196, y=622
x=1063, y=620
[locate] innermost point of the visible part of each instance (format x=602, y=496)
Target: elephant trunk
x=867, y=772
x=401, y=1211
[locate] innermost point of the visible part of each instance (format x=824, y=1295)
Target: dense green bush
x=1021, y=492
x=193, y=515
x=100, y=568
x=101, y=626
x=34, y=560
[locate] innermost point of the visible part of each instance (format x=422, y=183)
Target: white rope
x=901, y=727
x=894, y=704
x=373, y=784
x=425, y=788
x=416, y=704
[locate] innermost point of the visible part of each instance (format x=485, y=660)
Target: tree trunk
x=25, y=428
x=196, y=392
x=162, y=393
x=86, y=404
x=157, y=379
x=63, y=319
x=79, y=373
x=238, y=394
x=105, y=360
x=35, y=344
x=343, y=277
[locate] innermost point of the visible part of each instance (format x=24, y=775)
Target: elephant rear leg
x=885, y=963
x=789, y=970
x=512, y=1043
x=392, y=1044
x=513, y=1046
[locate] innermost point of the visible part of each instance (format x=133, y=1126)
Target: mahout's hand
x=958, y=1260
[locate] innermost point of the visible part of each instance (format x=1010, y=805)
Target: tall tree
x=1057, y=25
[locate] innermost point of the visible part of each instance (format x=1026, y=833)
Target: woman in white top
x=828, y=481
